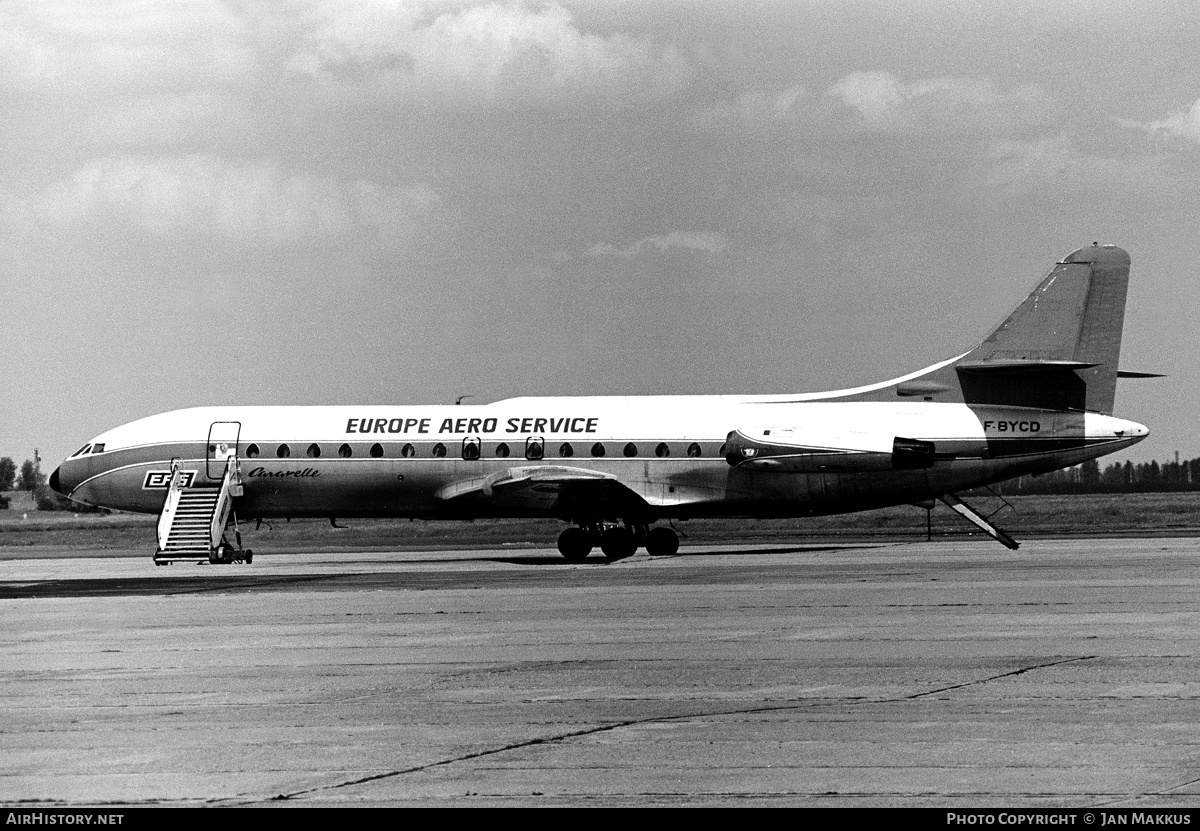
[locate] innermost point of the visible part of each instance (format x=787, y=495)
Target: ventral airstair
x=194, y=518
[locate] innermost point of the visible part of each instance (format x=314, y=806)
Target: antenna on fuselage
x=461, y=398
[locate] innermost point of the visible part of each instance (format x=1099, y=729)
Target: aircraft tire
x=662, y=542
x=617, y=544
x=249, y=556
x=573, y=544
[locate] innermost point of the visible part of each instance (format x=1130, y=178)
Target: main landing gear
x=616, y=541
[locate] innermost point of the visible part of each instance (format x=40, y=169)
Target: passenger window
x=662, y=451
x=283, y=451
x=694, y=450
x=566, y=450
x=345, y=452
x=408, y=451
x=598, y=449
x=376, y=450
x=314, y=451
x=535, y=449
x=439, y=450
x=470, y=449
x=252, y=451
x=630, y=449
x=502, y=451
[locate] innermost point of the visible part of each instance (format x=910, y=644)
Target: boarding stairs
x=194, y=517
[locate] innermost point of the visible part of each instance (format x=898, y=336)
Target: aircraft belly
x=333, y=488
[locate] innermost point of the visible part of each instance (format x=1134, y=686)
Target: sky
x=367, y=202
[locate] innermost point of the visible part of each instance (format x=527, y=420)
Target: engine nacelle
x=786, y=451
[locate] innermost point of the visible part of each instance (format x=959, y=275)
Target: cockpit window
x=81, y=451
x=98, y=448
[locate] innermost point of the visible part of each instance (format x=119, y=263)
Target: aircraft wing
x=546, y=487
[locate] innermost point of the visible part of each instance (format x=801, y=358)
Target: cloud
x=1023, y=164
x=251, y=204
x=1056, y=162
x=1183, y=124
x=62, y=47
x=884, y=103
x=758, y=106
x=690, y=241
x=488, y=55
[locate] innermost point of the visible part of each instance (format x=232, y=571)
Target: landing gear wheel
x=662, y=542
x=574, y=544
x=249, y=556
x=617, y=544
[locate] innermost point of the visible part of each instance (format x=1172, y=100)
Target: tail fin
x=1060, y=347
x=1058, y=350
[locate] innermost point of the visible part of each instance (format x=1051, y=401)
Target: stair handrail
x=170, y=504
x=230, y=486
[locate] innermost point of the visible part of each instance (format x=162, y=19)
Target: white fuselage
x=668, y=451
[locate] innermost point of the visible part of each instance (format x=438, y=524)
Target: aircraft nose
x=54, y=482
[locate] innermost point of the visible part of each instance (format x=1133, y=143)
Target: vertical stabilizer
x=1059, y=349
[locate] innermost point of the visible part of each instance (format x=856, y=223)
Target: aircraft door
x=222, y=444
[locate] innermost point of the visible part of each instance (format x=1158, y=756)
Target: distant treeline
x=1088, y=477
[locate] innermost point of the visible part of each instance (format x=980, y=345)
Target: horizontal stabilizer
x=1125, y=373
x=1022, y=366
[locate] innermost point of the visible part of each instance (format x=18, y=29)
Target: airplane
x=1034, y=396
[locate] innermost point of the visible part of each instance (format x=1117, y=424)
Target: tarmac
x=945, y=674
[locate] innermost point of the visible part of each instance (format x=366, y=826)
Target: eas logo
x=160, y=480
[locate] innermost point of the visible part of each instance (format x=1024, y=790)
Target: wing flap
x=569, y=490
